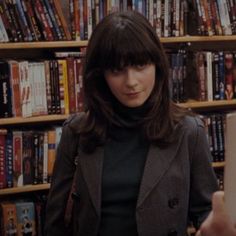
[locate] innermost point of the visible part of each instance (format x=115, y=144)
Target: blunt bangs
x=126, y=45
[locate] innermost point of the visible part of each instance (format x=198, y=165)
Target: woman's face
x=132, y=85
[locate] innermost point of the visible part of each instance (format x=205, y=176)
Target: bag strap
x=69, y=204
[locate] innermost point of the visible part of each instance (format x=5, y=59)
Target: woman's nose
x=131, y=78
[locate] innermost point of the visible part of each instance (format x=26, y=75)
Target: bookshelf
x=10, y=49
x=71, y=45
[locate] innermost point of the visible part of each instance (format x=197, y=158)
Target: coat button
x=173, y=203
x=172, y=233
x=74, y=196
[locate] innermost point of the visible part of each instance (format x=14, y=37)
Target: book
x=51, y=152
x=5, y=91
x=3, y=133
x=8, y=219
x=25, y=219
x=17, y=162
x=28, y=157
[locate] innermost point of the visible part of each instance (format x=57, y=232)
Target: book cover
x=25, y=219
x=8, y=219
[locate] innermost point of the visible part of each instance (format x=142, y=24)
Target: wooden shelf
x=52, y=44
x=35, y=119
x=69, y=44
x=24, y=189
x=198, y=39
x=218, y=164
x=206, y=104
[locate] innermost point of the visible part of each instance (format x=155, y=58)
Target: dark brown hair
x=122, y=39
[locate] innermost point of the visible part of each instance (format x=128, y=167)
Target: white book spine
x=209, y=76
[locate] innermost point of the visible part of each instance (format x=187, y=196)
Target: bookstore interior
x=42, y=46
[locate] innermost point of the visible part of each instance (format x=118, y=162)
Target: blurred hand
x=218, y=222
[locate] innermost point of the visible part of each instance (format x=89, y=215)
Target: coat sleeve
x=203, y=180
x=62, y=177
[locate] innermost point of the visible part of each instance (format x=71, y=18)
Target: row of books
x=203, y=75
x=50, y=20
x=29, y=88
x=22, y=218
x=27, y=20
x=27, y=156
x=214, y=126
x=215, y=17
x=168, y=17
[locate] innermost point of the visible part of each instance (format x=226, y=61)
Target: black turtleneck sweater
x=124, y=160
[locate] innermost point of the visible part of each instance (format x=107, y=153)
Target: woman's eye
x=117, y=71
x=140, y=67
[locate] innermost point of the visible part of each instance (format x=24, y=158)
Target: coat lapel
x=91, y=165
x=157, y=163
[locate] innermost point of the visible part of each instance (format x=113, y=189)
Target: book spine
x=2, y=159
x=35, y=157
x=5, y=91
x=55, y=26
x=5, y=37
x=215, y=75
x=51, y=152
x=13, y=14
x=40, y=157
x=229, y=77
x=14, y=68
x=57, y=87
x=48, y=86
x=28, y=157
x=11, y=32
x=71, y=84
x=45, y=157
x=44, y=23
x=216, y=17
x=29, y=22
x=209, y=76
x=17, y=162
x=9, y=160
x=24, y=23
x=62, y=19
x=221, y=76
x=36, y=26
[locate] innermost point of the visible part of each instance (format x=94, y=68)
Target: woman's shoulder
x=191, y=122
x=73, y=122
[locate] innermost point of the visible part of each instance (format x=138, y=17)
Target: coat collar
x=157, y=163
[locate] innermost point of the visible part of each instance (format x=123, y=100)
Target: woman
x=143, y=166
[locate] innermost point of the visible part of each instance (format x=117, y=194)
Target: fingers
x=218, y=202
x=198, y=233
